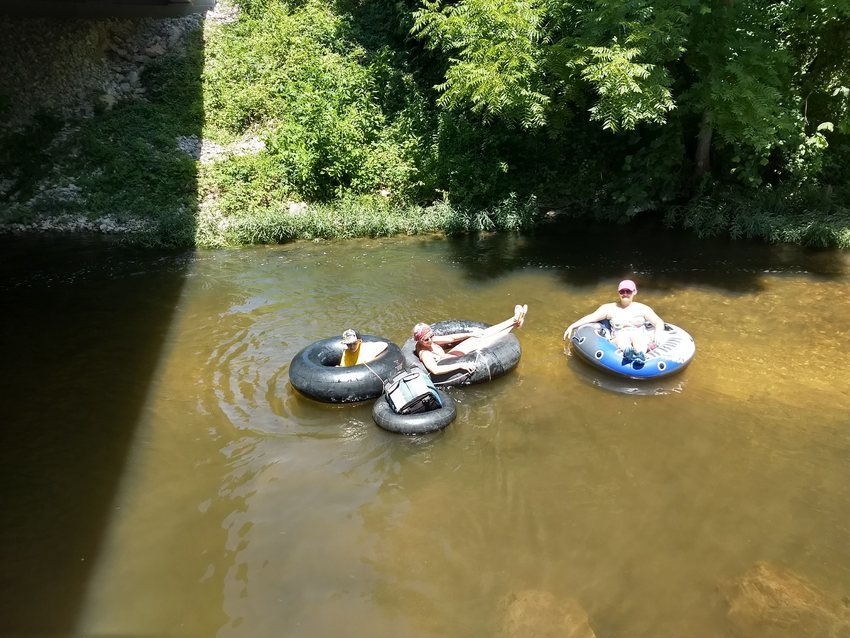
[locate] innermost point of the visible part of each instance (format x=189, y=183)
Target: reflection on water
x=644, y=388
x=246, y=510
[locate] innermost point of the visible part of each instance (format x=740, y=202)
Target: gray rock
x=117, y=50
x=174, y=35
x=297, y=208
x=155, y=51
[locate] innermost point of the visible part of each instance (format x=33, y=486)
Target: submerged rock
x=538, y=614
x=769, y=601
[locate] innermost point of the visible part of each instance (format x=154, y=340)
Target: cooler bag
x=412, y=392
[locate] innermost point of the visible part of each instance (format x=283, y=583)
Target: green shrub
x=293, y=74
x=810, y=216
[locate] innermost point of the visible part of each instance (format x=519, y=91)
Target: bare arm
x=447, y=340
x=600, y=314
x=656, y=321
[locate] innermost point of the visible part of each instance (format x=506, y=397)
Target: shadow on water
x=81, y=336
x=580, y=253
x=81, y=331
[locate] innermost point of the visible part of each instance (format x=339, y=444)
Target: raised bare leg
x=491, y=334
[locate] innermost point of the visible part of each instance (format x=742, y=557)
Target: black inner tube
x=493, y=361
x=420, y=423
x=313, y=371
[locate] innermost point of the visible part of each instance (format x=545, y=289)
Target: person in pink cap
x=429, y=347
x=627, y=318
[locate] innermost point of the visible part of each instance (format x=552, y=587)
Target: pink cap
x=627, y=284
x=420, y=331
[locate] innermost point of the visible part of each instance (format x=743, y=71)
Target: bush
x=295, y=75
x=810, y=216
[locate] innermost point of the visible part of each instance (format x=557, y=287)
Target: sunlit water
x=235, y=507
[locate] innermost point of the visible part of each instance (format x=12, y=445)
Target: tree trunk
x=702, y=158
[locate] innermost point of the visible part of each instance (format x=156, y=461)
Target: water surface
x=165, y=479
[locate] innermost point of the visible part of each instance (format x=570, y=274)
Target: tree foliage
x=294, y=73
x=614, y=106
x=761, y=83
x=526, y=58
x=501, y=75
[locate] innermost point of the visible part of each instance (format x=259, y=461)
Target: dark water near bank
x=161, y=477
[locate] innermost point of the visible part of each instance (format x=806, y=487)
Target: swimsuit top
x=436, y=350
x=623, y=320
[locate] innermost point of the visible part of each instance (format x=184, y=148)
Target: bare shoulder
x=429, y=358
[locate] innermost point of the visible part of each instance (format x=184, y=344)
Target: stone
x=190, y=145
x=769, y=601
x=297, y=208
x=174, y=34
x=249, y=146
x=121, y=53
x=155, y=51
x=538, y=614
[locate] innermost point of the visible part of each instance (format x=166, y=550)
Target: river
x=161, y=477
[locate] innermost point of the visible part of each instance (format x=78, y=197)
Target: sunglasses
x=626, y=291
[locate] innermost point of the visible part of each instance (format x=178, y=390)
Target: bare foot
x=519, y=315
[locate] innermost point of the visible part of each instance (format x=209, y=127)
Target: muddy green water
x=161, y=477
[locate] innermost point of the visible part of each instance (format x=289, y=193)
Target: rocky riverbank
x=70, y=67
x=70, y=71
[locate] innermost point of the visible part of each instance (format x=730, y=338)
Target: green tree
x=753, y=82
x=529, y=59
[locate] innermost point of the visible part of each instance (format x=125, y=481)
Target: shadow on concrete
x=83, y=324
x=103, y=8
